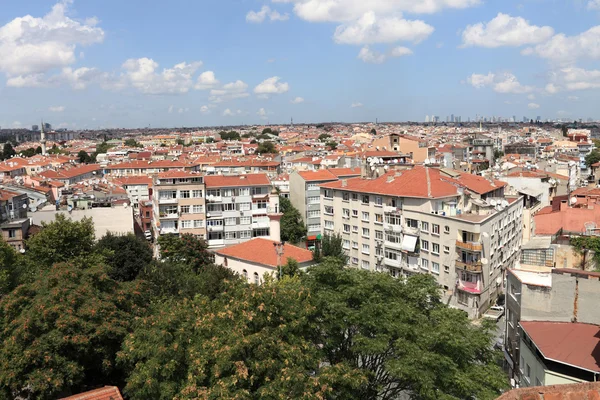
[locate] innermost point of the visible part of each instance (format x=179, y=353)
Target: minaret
x=43, y=139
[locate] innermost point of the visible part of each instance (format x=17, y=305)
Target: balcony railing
x=409, y=230
x=167, y=200
x=471, y=246
x=164, y=215
x=470, y=287
x=471, y=266
x=392, y=263
x=215, y=228
x=391, y=210
x=393, y=228
x=213, y=199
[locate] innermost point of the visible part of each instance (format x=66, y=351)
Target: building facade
x=428, y=220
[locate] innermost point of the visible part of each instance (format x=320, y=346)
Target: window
x=365, y=265
x=313, y=200
x=365, y=232
x=256, y=278
x=435, y=248
x=463, y=298
x=365, y=216
x=354, y=196
x=328, y=194
x=528, y=372
x=355, y=213
x=425, y=264
x=424, y=245
x=314, y=214
x=329, y=210
x=230, y=235
x=184, y=194
x=346, y=196
x=312, y=186
x=231, y=221
x=354, y=260
x=393, y=219
x=435, y=229
x=446, y=269
x=346, y=228
x=365, y=199
x=245, y=220
x=184, y=209
x=186, y=224
x=393, y=237
x=346, y=244
x=346, y=212
x=355, y=245
x=244, y=191
x=354, y=229
x=392, y=255
x=413, y=223
x=245, y=234
x=198, y=209
x=245, y=273
x=446, y=229
x=196, y=194
x=378, y=201
x=328, y=224
x=378, y=251
x=228, y=192
x=425, y=226
x=435, y=267
x=198, y=223
x=446, y=249
x=245, y=206
x=314, y=227
x=379, y=218
x=229, y=207
x=379, y=235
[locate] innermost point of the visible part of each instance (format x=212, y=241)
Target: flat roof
x=536, y=278
x=537, y=243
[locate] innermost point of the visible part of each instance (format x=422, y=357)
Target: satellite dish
x=504, y=203
x=493, y=202
x=499, y=280
x=369, y=159
x=484, y=261
x=386, y=167
x=381, y=161
x=485, y=234
x=158, y=181
x=125, y=205
x=426, y=162
x=24, y=206
x=573, y=200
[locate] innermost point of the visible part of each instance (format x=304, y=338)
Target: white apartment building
x=238, y=208
x=458, y=227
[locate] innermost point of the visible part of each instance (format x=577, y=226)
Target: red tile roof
x=68, y=173
x=320, y=175
x=261, y=251
x=216, y=181
x=178, y=174
x=105, y=393
x=342, y=172
x=566, y=342
x=134, y=180
x=575, y=391
x=570, y=219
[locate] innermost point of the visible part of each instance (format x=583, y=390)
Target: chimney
x=344, y=182
x=390, y=179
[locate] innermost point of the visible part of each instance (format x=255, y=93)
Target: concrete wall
x=298, y=193
x=537, y=370
x=565, y=256
x=116, y=219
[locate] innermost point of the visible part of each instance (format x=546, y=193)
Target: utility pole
x=279, y=251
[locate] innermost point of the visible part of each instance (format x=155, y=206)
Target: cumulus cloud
x=505, y=30
x=531, y=97
x=30, y=45
x=593, y=5
x=370, y=29
x=262, y=113
x=575, y=78
x=297, y=100
x=228, y=113
x=400, y=51
x=257, y=17
x=142, y=74
x=271, y=86
x=371, y=56
x=56, y=109
x=551, y=88
x=229, y=91
x=171, y=108
x=572, y=98
x=206, y=80
x=356, y=105
x=564, y=49
x=500, y=83
x=533, y=106
x=78, y=79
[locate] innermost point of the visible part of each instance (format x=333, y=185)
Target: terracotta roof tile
x=215, y=181
x=576, y=391
x=320, y=175
x=105, y=393
x=261, y=251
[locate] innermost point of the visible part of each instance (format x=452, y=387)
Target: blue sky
x=90, y=64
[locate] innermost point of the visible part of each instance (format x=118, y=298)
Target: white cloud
x=371, y=56
x=183, y=110
x=206, y=80
x=78, y=79
x=572, y=98
x=205, y=109
x=500, y=83
x=593, y=5
x=257, y=17
x=531, y=97
x=262, y=113
x=356, y=105
x=347, y=10
x=574, y=78
x=551, y=88
x=141, y=73
x=30, y=45
x=400, y=51
x=229, y=91
x=17, y=124
x=56, y=109
x=297, y=100
x=505, y=30
x=228, y=113
x=370, y=29
x=533, y=106
x=171, y=109
x=271, y=86
x=564, y=49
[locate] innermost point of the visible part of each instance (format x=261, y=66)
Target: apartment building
x=179, y=205
x=238, y=208
x=458, y=227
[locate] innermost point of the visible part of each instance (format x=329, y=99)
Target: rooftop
x=576, y=391
x=261, y=251
x=105, y=393
x=534, y=278
x=216, y=181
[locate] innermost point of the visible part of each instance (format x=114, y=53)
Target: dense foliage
x=592, y=158
x=292, y=225
x=76, y=313
x=266, y=148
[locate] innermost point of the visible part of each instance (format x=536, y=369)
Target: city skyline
x=89, y=65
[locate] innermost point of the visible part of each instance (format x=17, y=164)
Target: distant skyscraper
x=35, y=128
x=538, y=118
x=47, y=126
x=525, y=119
x=451, y=117
x=426, y=118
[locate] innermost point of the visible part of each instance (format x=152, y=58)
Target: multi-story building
x=179, y=205
x=238, y=207
x=456, y=226
x=138, y=188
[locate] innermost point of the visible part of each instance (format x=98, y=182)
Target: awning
x=531, y=192
x=409, y=243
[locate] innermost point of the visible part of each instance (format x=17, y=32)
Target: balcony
x=214, y=214
x=260, y=224
x=470, y=266
x=392, y=210
x=215, y=228
x=393, y=245
x=167, y=200
x=259, y=211
x=259, y=195
x=213, y=199
x=166, y=231
x=392, y=263
x=164, y=215
x=469, y=287
x=216, y=242
x=470, y=246
x=409, y=230
x=393, y=228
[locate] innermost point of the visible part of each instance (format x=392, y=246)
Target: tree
x=180, y=142
x=102, y=148
x=9, y=273
x=498, y=154
x=333, y=246
x=291, y=268
x=84, y=157
x=30, y=152
x=332, y=145
x=186, y=249
x=126, y=255
x=592, y=158
x=266, y=131
x=292, y=226
x=55, y=150
x=373, y=131
x=38, y=150
x=60, y=241
x=324, y=136
x=8, y=151
x=583, y=245
x=565, y=130
x=400, y=336
x=249, y=343
x=231, y=135
x=266, y=148
x=132, y=143
x=60, y=333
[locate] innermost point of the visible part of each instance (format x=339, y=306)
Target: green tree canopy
x=83, y=157
x=292, y=226
x=332, y=145
x=186, y=249
x=267, y=130
x=8, y=268
x=324, y=136
x=60, y=333
x=401, y=337
x=38, y=150
x=30, y=152
x=102, y=148
x=592, y=158
x=266, y=148
x=231, y=135
x=585, y=244
x=331, y=246
x=8, y=151
x=132, y=143
x=126, y=255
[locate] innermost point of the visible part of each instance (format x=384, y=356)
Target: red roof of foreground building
x=576, y=391
x=320, y=175
x=566, y=342
x=261, y=251
x=236, y=180
x=105, y=393
x=341, y=172
x=569, y=219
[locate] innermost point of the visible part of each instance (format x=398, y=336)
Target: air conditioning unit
x=380, y=258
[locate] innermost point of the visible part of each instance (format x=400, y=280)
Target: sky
x=112, y=63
